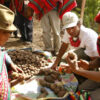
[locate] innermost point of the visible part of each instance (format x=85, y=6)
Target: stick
x=82, y=10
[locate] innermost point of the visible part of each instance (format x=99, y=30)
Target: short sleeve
x=91, y=47
x=8, y=59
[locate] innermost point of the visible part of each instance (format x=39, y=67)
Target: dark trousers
x=25, y=27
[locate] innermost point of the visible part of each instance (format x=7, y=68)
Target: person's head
x=97, y=20
x=71, y=24
x=6, y=24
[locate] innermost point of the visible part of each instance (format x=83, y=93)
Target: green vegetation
x=91, y=9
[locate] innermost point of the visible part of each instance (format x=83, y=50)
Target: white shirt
x=88, y=39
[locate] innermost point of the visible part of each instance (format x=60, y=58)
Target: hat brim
x=10, y=28
x=69, y=25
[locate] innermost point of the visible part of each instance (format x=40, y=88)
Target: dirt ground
x=15, y=43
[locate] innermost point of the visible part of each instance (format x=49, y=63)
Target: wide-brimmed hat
x=6, y=19
x=69, y=19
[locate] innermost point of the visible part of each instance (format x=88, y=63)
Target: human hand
x=21, y=77
x=65, y=69
x=54, y=66
x=72, y=56
x=16, y=68
x=94, y=63
x=83, y=64
x=72, y=61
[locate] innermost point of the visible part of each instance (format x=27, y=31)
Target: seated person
x=82, y=39
x=92, y=84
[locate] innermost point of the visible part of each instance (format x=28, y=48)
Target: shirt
x=8, y=59
x=88, y=38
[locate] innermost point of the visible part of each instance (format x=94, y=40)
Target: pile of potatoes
x=29, y=62
x=50, y=76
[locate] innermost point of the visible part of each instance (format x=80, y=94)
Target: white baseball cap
x=6, y=19
x=69, y=19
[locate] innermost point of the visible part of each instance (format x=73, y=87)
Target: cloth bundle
x=42, y=7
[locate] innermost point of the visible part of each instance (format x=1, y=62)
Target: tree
x=91, y=9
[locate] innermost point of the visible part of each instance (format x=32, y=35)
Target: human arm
x=17, y=80
x=93, y=75
x=89, y=65
x=62, y=50
x=11, y=65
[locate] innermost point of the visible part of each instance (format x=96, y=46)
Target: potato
x=61, y=93
x=42, y=82
x=49, y=79
x=43, y=90
x=53, y=86
x=42, y=95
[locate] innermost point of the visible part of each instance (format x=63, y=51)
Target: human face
x=73, y=31
x=4, y=35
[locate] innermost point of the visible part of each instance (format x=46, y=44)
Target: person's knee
x=95, y=95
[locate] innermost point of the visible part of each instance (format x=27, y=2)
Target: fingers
x=19, y=70
x=84, y=61
x=68, y=60
x=68, y=70
x=15, y=69
x=72, y=55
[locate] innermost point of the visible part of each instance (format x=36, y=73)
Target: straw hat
x=69, y=19
x=6, y=19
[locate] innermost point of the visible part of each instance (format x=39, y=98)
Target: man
x=24, y=20
x=81, y=38
x=6, y=28
x=49, y=12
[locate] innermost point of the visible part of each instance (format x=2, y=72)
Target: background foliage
x=91, y=9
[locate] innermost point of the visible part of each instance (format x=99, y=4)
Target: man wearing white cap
x=78, y=36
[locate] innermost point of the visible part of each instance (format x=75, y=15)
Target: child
x=6, y=28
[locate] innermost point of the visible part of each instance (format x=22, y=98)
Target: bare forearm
x=62, y=50
x=92, y=75
x=14, y=82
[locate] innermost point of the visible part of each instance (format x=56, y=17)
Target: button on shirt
x=88, y=38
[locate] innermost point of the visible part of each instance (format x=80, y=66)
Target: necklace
x=75, y=41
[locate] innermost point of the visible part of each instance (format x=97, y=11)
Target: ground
x=15, y=43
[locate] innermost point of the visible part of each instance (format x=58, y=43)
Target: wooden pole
x=82, y=10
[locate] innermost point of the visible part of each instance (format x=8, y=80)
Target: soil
x=15, y=43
